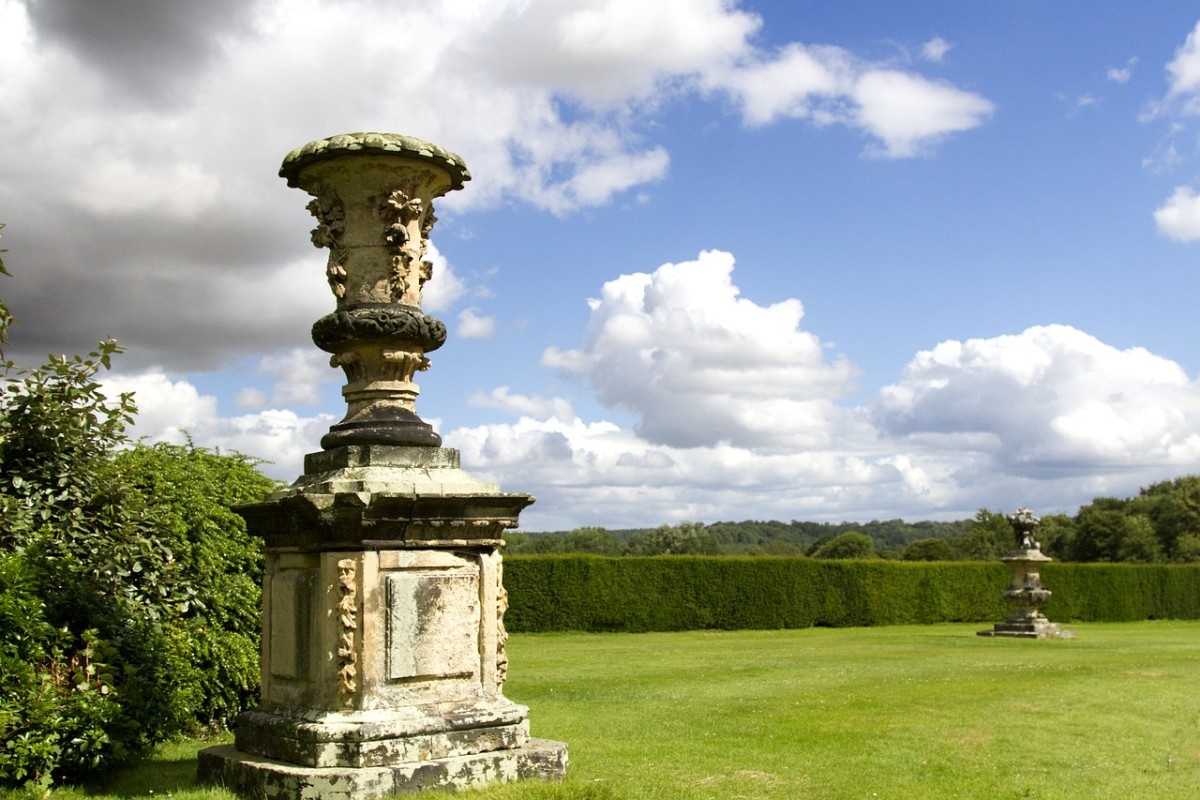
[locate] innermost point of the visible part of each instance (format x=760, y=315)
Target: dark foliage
x=590, y=593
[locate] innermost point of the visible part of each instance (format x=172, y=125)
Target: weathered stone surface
x=381, y=738
x=373, y=199
x=262, y=778
x=393, y=143
x=404, y=630
x=384, y=496
x=377, y=520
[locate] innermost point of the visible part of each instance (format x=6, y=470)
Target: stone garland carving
x=501, y=633
x=331, y=224
x=348, y=622
x=403, y=210
x=426, y=272
x=333, y=330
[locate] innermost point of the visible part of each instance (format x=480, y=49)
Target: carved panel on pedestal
x=433, y=623
x=292, y=596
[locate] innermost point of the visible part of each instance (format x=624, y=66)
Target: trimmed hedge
x=666, y=593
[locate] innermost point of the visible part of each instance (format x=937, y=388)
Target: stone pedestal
x=1025, y=592
x=383, y=650
x=383, y=658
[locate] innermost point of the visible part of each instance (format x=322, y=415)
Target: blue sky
x=718, y=261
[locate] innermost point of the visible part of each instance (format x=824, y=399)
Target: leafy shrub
x=83, y=571
x=116, y=612
x=190, y=492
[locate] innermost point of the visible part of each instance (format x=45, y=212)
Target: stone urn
x=384, y=648
x=1025, y=593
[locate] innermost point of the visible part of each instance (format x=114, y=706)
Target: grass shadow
x=160, y=778
x=169, y=772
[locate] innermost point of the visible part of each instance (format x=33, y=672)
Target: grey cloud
x=182, y=294
x=146, y=47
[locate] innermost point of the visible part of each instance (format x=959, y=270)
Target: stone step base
x=1040, y=629
x=260, y=778
x=382, y=738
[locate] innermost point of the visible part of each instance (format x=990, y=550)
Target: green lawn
x=903, y=712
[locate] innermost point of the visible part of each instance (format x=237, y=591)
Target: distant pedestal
x=1025, y=592
x=383, y=653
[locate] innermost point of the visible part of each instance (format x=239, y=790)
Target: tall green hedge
x=591, y=593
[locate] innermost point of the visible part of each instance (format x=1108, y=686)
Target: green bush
x=190, y=493
x=590, y=593
x=124, y=620
x=85, y=574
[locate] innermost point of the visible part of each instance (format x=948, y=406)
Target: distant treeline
x=1160, y=525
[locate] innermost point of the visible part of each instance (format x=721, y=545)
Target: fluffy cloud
x=181, y=39
x=174, y=410
x=446, y=288
x=473, y=326
x=904, y=113
x=1049, y=401
x=1179, y=217
x=598, y=473
x=700, y=365
x=935, y=49
x=1183, y=71
x=537, y=407
x=908, y=113
x=296, y=378
x=1122, y=74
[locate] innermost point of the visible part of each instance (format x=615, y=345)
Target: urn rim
x=371, y=142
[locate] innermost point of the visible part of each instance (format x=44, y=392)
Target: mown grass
x=898, y=712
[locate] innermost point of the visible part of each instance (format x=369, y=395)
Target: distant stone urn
x=1025, y=592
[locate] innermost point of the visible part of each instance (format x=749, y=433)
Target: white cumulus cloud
x=1050, y=400
x=472, y=325
x=908, y=112
x=172, y=410
x=1179, y=217
x=739, y=413
x=1183, y=71
x=904, y=112
x=534, y=406
x=699, y=365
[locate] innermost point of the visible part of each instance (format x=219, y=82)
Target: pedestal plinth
x=383, y=656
